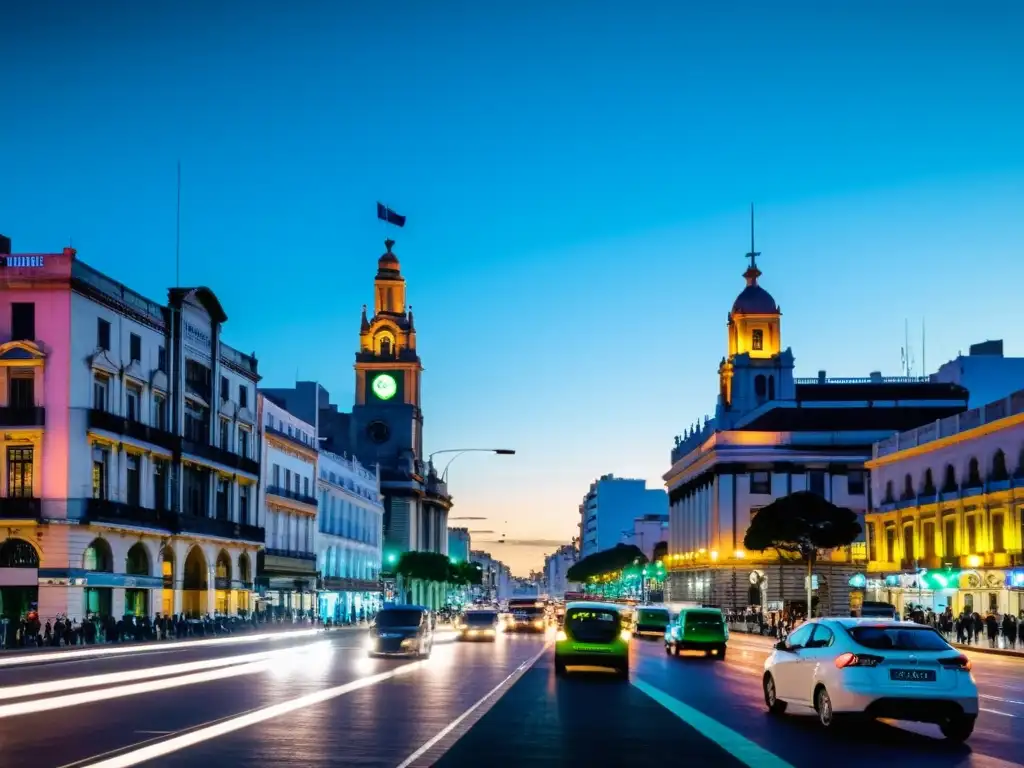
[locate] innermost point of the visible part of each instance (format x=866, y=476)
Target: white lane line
x=121, y=650
x=1000, y=698
x=742, y=748
x=491, y=696
x=997, y=712
x=198, y=736
x=116, y=678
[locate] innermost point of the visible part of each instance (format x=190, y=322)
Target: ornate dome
x=754, y=300
x=388, y=262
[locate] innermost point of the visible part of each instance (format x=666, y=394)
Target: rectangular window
x=243, y=443
x=19, y=472
x=160, y=412
x=305, y=486
x=99, y=393
x=757, y=340
x=225, y=388
x=134, y=486
x=243, y=505
x=196, y=485
x=23, y=321
x=21, y=390
x=972, y=534
x=102, y=334
x=135, y=347
x=908, y=543
x=890, y=544
x=243, y=396
x=949, y=537
x=99, y=473
x=816, y=482
x=277, y=476
x=928, y=540
x=161, y=359
x=288, y=479
x=760, y=482
x=223, y=489
x=160, y=484
x=855, y=482
x=225, y=434
x=133, y=396
x=998, y=544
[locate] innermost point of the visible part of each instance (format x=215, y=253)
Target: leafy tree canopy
x=660, y=551
x=433, y=566
x=606, y=561
x=802, y=523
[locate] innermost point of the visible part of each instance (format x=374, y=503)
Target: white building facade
x=556, y=567
x=458, y=545
x=349, y=539
x=288, y=512
x=648, y=532
x=130, y=484
x=946, y=528
x=609, y=508
x=496, y=577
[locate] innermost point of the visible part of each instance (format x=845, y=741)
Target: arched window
x=385, y=347
x=138, y=561
x=973, y=474
x=929, y=483
x=949, y=483
x=223, y=566
x=760, y=388
x=771, y=387
x=889, y=498
x=908, y=487
x=757, y=339
x=18, y=553
x=98, y=557
x=999, y=466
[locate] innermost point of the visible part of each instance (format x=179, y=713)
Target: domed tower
x=756, y=370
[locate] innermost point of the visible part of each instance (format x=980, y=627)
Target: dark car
x=478, y=625
x=402, y=630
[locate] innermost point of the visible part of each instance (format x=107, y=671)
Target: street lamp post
x=459, y=451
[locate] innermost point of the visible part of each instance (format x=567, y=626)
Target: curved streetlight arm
x=460, y=451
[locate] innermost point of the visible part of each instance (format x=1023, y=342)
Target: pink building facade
x=130, y=445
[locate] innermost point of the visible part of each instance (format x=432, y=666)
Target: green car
x=652, y=622
x=697, y=629
x=593, y=635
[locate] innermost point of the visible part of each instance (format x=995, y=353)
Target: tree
x=606, y=561
x=802, y=523
x=660, y=551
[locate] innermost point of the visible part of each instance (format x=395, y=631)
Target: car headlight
x=371, y=643
x=626, y=635
x=538, y=624
x=408, y=643
x=560, y=636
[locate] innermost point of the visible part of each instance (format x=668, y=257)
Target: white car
x=886, y=669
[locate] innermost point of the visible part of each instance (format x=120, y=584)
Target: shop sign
x=858, y=581
x=1015, y=579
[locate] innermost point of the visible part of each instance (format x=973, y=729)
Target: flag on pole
x=386, y=214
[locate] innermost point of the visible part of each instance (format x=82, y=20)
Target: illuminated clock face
x=384, y=386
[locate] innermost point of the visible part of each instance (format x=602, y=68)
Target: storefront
x=970, y=591
x=345, y=600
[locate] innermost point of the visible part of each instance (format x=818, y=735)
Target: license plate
x=591, y=648
x=913, y=675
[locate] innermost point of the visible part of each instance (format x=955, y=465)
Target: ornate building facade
x=131, y=477
x=946, y=527
x=774, y=434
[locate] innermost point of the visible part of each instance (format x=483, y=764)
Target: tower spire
x=752, y=272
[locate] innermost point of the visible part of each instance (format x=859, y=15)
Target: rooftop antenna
x=177, y=235
x=753, y=253
x=924, y=368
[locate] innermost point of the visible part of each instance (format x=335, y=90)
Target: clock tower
x=388, y=422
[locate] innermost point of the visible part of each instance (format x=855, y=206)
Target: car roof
x=595, y=604
x=404, y=608
x=699, y=609
x=868, y=621
x=653, y=608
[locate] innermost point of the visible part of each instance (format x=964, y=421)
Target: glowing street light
x=459, y=451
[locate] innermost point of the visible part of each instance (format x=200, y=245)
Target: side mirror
x=781, y=646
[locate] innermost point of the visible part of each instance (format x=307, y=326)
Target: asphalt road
x=318, y=700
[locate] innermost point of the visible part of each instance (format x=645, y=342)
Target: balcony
x=221, y=456
x=105, y=511
x=13, y=416
x=222, y=528
x=288, y=438
x=286, y=562
x=291, y=553
x=136, y=430
x=20, y=508
x=285, y=493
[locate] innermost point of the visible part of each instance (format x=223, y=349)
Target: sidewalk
x=980, y=648
x=283, y=629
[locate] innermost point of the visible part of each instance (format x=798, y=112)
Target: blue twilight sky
x=576, y=177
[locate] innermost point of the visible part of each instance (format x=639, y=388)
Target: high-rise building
x=984, y=372
x=609, y=508
x=130, y=443
x=458, y=544
x=556, y=567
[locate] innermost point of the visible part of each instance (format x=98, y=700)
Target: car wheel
x=823, y=706
x=958, y=729
x=559, y=668
x=771, y=697
x=668, y=649
x=622, y=671
x=721, y=653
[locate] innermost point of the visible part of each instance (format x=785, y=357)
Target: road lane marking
x=121, y=650
x=997, y=712
x=169, y=670
x=229, y=725
x=490, y=696
x=742, y=748
x=1000, y=698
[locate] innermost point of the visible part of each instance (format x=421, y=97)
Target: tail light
x=956, y=662
x=845, y=660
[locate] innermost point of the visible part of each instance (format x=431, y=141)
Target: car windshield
x=406, y=617
x=703, y=620
x=653, y=616
x=528, y=611
x=906, y=638
x=594, y=625
x=483, y=619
